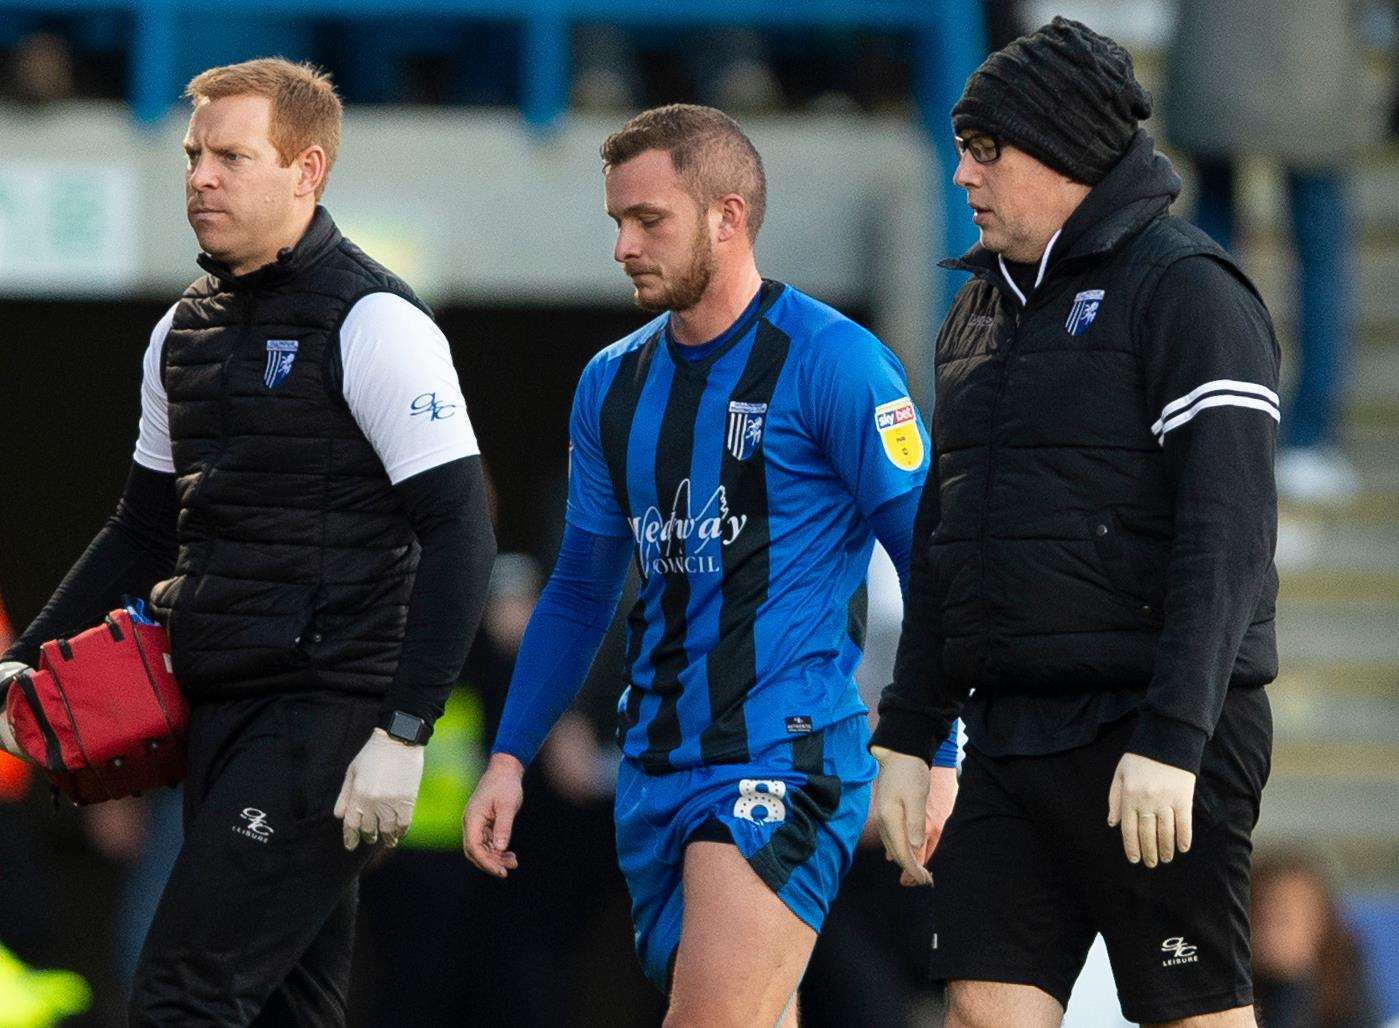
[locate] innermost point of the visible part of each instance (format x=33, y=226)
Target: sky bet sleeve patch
x=897, y=422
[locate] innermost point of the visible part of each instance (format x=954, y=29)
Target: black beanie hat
x=1065, y=95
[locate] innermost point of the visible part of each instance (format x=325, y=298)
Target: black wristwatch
x=405, y=728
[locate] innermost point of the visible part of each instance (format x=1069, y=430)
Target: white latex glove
x=942, y=794
x=1153, y=802
x=8, y=670
x=901, y=804
x=489, y=816
x=381, y=786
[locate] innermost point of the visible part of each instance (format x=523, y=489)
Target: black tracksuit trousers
x=256, y=923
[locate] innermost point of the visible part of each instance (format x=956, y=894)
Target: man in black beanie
x=1093, y=583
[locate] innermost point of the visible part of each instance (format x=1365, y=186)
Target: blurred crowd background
x=470, y=166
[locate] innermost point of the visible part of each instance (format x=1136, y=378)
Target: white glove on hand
x=942, y=794
x=381, y=786
x=901, y=805
x=1154, y=803
x=8, y=670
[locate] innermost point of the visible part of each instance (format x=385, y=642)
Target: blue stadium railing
x=948, y=36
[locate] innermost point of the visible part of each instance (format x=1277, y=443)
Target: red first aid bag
x=103, y=715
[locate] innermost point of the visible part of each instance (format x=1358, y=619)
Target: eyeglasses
x=984, y=148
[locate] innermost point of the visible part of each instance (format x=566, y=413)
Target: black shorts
x=256, y=923
x=1028, y=872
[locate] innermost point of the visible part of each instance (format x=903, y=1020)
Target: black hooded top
x=1097, y=533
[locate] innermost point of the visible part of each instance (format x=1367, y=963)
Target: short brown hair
x=305, y=110
x=707, y=149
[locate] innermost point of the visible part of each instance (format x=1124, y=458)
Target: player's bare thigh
x=1239, y=1017
x=972, y=1004
x=741, y=953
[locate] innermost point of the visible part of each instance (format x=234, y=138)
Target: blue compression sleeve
x=946, y=756
x=563, y=636
x=893, y=527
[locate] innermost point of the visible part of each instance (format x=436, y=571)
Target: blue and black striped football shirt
x=744, y=479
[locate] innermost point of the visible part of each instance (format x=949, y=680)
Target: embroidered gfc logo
x=760, y=800
x=257, y=828
x=1181, y=952
x=428, y=404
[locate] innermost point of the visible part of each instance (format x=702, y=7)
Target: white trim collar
x=1039, y=277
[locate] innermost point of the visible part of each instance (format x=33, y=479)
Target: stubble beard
x=688, y=287
x=1013, y=242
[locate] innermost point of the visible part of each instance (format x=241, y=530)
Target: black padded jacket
x=1101, y=514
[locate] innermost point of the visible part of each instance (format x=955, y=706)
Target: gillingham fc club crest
x=745, y=428
x=1084, y=310
x=281, y=355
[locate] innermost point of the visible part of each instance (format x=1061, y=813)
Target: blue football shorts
x=795, y=812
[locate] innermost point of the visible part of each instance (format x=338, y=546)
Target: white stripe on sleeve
x=1217, y=400
x=1219, y=385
